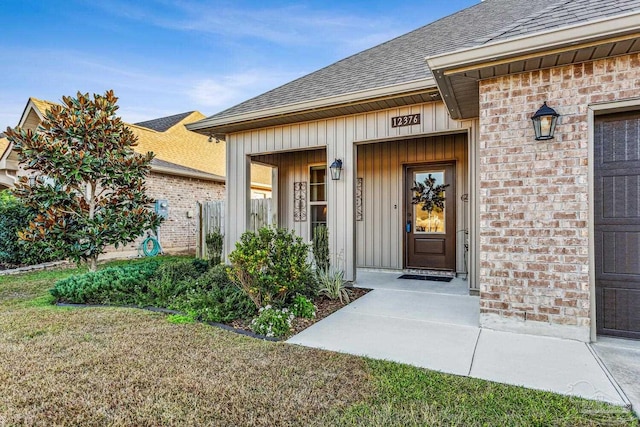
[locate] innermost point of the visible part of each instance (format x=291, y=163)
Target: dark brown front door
x=430, y=236
x=617, y=224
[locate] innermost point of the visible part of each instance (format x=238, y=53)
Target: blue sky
x=167, y=57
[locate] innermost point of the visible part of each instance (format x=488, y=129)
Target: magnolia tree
x=86, y=182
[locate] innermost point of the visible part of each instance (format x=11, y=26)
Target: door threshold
x=426, y=272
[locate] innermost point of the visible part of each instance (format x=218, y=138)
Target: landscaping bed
x=112, y=366
x=197, y=291
x=324, y=308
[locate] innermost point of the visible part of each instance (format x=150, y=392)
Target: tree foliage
x=13, y=251
x=87, y=183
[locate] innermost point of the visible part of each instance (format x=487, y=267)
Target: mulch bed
x=325, y=307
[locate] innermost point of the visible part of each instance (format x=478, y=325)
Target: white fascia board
x=187, y=174
x=5, y=154
x=545, y=40
x=30, y=106
x=315, y=104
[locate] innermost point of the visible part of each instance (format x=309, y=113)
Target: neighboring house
x=547, y=231
x=7, y=178
x=187, y=169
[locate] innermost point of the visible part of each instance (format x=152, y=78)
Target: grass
x=112, y=366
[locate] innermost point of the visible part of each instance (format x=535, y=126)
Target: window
x=434, y=221
x=318, y=196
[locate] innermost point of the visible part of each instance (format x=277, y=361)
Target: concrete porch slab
x=432, y=307
x=388, y=279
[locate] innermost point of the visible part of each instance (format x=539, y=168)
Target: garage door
x=617, y=224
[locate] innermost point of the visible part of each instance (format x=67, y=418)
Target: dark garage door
x=617, y=224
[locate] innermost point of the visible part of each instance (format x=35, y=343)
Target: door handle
x=408, y=227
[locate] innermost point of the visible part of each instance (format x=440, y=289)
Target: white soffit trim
x=545, y=40
x=316, y=104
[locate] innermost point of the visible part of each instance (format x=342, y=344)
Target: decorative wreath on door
x=430, y=194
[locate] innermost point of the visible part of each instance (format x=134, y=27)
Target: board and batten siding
x=380, y=234
x=293, y=167
x=339, y=137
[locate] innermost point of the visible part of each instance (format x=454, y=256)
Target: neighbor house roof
x=164, y=123
x=180, y=146
x=177, y=149
x=4, y=144
x=398, y=65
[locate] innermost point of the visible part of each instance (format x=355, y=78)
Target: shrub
x=321, y=247
x=215, y=241
x=273, y=322
x=14, y=216
x=332, y=285
x=271, y=266
x=113, y=285
x=171, y=281
x=181, y=271
x=303, y=307
x=214, y=298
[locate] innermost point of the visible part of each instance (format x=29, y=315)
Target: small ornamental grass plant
x=215, y=244
x=332, y=285
x=273, y=322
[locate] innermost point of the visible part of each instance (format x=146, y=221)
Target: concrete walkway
x=434, y=325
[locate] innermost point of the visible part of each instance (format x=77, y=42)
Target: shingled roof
x=164, y=123
x=402, y=59
x=176, y=148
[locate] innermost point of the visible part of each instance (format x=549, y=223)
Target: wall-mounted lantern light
x=336, y=169
x=544, y=122
x=213, y=138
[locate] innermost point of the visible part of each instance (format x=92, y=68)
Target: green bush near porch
x=272, y=267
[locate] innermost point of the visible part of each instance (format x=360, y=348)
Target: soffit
x=459, y=86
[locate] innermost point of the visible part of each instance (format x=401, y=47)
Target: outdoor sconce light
x=213, y=138
x=336, y=169
x=544, y=122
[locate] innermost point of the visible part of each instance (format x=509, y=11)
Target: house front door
x=430, y=235
x=617, y=224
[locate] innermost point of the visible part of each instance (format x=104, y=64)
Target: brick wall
x=534, y=204
x=178, y=232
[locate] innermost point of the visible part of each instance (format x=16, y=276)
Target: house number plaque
x=411, y=119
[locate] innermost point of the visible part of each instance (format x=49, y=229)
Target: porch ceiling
x=459, y=86
x=346, y=108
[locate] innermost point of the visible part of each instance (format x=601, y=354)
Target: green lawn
x=113, y=366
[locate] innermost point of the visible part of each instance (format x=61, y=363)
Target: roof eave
x=212, y=123
x=187, y=174
x=443, y=66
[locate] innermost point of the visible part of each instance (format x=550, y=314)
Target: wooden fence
x=211, y=217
